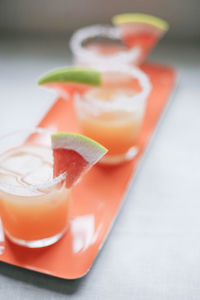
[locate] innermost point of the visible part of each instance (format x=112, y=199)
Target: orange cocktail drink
x=34, y=206
x=113, y=113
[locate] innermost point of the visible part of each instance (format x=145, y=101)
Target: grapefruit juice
x=116, y=128
x=113, y=113
x=34, y=207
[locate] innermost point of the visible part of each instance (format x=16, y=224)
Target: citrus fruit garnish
x=140, y=18
x=71, y=80
x=74, y=154
x=140, y=30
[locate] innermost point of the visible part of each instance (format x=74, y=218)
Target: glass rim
x=12, y=188
x=135, y=73
x=82, y=34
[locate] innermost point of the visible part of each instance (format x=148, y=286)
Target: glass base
x=37, y=243
x=118, y=159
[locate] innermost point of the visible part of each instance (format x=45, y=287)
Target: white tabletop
x=153, y=250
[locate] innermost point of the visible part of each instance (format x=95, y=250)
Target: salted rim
x=124, y=103
x=100, y=30
x=37, y=188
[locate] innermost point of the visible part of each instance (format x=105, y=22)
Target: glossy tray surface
x=98, y=196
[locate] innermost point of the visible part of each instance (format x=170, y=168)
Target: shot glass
x=113, y=114
x=101, y=44
x=34, y=206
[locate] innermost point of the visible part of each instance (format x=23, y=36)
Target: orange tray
x=96, y=199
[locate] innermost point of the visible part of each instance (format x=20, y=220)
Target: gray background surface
x=63, y=16
x=153, y=250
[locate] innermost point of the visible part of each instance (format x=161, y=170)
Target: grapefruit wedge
x=140, y=30
x=74, y=154
x=71, y=80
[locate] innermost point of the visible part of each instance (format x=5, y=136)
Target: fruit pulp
x=30, y=209
x=140, y=35
x=146, y=41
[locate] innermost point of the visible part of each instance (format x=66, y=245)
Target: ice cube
x=26, y=159
x=39, y=176
x=21, y=163
x=8, y=178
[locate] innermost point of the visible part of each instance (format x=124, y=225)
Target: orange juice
x=34, y=207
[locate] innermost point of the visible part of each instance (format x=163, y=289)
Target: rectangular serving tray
x=97, y=198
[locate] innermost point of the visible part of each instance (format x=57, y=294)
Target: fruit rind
x=140, y=18
x=72, y=75
x=86, y=147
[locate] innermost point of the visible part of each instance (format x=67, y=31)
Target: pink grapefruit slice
x=74, y=154
x=140, y=30
x=71, y=80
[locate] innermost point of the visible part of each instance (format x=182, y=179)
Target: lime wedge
x=72, y=75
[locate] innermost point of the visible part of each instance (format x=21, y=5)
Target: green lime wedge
x=140, y=18
x=73, y=75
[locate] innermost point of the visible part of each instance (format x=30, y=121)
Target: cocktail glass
x=34, y=206
x=113, y=114
x=94, y=45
